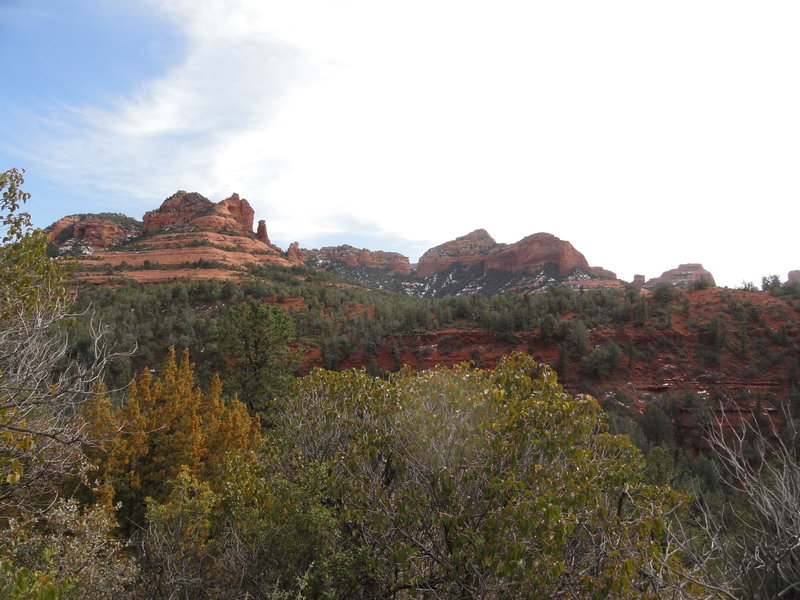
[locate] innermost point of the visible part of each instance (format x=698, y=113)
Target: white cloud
x=647, y=135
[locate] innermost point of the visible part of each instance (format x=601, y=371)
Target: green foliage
x=472, y=483
x=602, y=362
x=48, y=547
x=255, y=339
x=81, y=555
x=656, y=425
x=664, y=293
x=28, y=278
x=261, y=535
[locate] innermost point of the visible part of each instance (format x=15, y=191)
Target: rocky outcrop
x=350, y=256
x=530, y=255
x=191, y=210
x=189, y=229
x=240, y=210
x=683, y=276
x=261, y=232
x=84, y=234
x=296, y=254
x=178, y=210
x=794, y=277
x=472, y=248
x=187, y=237
x=533, y=253
x=602, y=273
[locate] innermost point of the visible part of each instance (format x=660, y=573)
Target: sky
x=647, y=134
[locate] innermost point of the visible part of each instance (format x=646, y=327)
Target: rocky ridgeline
x=682, y=276
x=84, y=234
x=189, y=236
x=329, y=257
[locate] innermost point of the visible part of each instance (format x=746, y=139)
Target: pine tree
x=164, y=426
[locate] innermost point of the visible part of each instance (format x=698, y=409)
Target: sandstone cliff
x=188, y=236
x=84, y=234
x=191, y=236
x=534, y=252
x=469, y=249
x=191, y=210
x=476, y=263
x=683, y=276
x=356, y=257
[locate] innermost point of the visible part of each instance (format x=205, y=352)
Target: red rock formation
x=794, y=277
x=683, y=276
x=638, y=280
x=535, y=251
x=87, y=233
x=240, y=210
x=296, y=254
x=530, y=255
x=261, y=232
x=188, y=236
x=471, y=248
x=176, y=211
x=602, y=273
x=361, y=257
x=190, y=209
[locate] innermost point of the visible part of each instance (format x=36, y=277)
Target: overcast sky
x=648, y=134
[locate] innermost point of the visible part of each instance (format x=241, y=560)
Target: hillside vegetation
x=294, y=434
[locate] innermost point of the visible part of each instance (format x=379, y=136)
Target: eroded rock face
x=240, y=210
x=188, y=236
x=394, y=262
x=534, y=252
x=261, y=232
x=602, y=273
x=178, y=210
x=84, y=234
x=296, y=254
x=190, y=209
x=683, y=276
x=469, y=249
x=530, y=254
x=794, y=277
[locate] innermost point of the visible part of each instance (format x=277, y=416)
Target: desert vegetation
x=296, y=435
